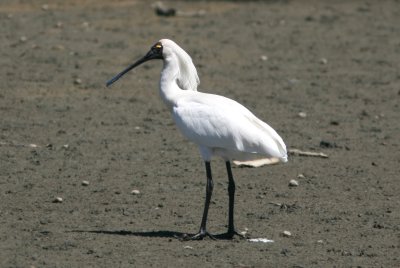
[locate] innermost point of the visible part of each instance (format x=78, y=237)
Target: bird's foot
x=199, y=236
x=231, y=234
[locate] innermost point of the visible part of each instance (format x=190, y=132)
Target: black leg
x=209, y=188
x=231, y=192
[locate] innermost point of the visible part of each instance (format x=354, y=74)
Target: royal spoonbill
x=218, y=125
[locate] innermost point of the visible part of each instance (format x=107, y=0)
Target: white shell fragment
x=301, y=176
x=58, y=200
x=85, y=183
x=262, y=240
x=303, y=114
x=78, y=81
x=286, y=233
x=293, y=183
x=135, y=192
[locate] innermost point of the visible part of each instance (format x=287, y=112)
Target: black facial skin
x=154, y=53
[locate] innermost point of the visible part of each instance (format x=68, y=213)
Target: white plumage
x=218, y=125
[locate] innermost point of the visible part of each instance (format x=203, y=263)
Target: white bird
x=218, y=125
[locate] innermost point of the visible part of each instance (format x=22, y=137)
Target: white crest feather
x=187, y=77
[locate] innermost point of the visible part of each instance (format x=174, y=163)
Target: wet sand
x=338, y=62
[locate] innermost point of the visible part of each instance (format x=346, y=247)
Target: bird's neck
x=169, y=89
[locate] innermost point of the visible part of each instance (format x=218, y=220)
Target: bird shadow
x=151, y=234
x=159, y=234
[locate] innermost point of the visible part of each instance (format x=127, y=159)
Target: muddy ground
x=336, y=61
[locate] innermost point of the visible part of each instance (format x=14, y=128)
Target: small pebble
x=58, y=200
x=301, y=176
x=65, y=146
x=77, y=81
x=293, y=183
x=135, y=192
x=244, y=232
x=58, y=47
x=23, y=39
x=85, y=183
x=320, y=241
x=323, y=61
x=264, y=58
x=59, y=24
x=85, y=24
x=188, y=247
x=286, y=234
x=303, y=114
x=45, y=7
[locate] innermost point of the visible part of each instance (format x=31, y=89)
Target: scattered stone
x=334, y=123
x=162, y=10
x=59, y=24
x=23, y=39
x=244, y=232
x=78, y=81
x=85, y=24
x=285, y=252
x=264, y=58
x=65, y=146
x=85, y=183
x=188, y=247
x=58, y=200
x=135, y=192
x=301, y=176
x=323, y=61
x=327, y=144
x=275, y=204
x=303, y=114
x=58, y=47
x=320, y=241
x=286, y=234
x=45, y=7
x=293, y=183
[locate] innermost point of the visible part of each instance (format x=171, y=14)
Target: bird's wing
x=218, y=122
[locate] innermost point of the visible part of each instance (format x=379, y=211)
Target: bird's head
x=166, y=49
x=155, y=52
